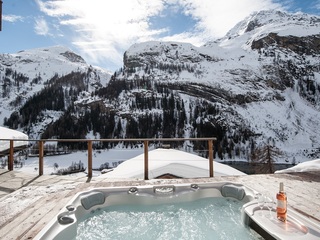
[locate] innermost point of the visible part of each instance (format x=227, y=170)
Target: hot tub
x=185, y=211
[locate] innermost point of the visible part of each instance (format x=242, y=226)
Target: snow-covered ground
x=54, y=163
x=6, y=133
x=175, y=162
x=309, y=166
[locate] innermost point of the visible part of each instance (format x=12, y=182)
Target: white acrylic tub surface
x=64, y=225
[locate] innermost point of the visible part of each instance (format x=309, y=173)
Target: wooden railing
x=89, y=144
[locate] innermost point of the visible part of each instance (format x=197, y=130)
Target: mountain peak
x=267, y=21
x=149, y=53
x=52, y=52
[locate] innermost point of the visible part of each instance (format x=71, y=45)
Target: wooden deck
x=28, y=202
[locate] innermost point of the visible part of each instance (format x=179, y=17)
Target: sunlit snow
x=308, y=166
x=6, y=133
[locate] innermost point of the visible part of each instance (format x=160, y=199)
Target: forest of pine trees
x=157, y=111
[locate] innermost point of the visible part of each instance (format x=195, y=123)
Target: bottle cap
x=281, y=187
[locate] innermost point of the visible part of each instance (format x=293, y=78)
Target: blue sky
x=101, y=30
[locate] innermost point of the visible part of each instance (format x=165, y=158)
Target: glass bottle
x=281, y=204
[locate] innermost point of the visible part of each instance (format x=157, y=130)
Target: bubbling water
x=209, y=218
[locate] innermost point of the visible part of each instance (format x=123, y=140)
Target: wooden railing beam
x=89, y=142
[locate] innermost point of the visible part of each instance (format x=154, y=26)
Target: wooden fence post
x=146, y=166
x=10, y=159
x=90, y=159
x=210, y=145
x=41, y=149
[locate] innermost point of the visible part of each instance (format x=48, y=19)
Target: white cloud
x=41, y=27
x=103, y=30
x=215, y=18
x=12, y=18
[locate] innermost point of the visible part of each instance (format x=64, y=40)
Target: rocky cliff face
x=156, y=53
x=263, y=77
x=309, y=45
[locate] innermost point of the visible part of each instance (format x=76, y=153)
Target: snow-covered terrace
x=29, y=201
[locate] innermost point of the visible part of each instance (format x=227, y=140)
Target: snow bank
x=309, y=166
x=6, y=133
x=175, y=162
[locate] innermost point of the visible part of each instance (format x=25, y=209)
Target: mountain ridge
x=26, y=73
x=245, y=89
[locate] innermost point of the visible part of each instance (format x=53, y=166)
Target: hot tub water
x=208, y=218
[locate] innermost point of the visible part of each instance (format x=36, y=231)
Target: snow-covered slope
x=24, y=74
x=260, y=24
x=230, y=62
x=50, y=61
x=309, y=166
x=263, y=75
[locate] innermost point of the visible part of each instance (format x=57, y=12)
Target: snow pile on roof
x=170, y=161
x=6, y=133
x=308, y=166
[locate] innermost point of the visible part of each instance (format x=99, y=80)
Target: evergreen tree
x=264, y=158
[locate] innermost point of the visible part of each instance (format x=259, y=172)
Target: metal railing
x=90, y=150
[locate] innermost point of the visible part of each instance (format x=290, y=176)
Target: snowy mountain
x=260, y=24
x=259, y=85
x=26, y=73
x=262, y=81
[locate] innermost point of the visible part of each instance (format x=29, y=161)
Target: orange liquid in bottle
x=281, y=204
